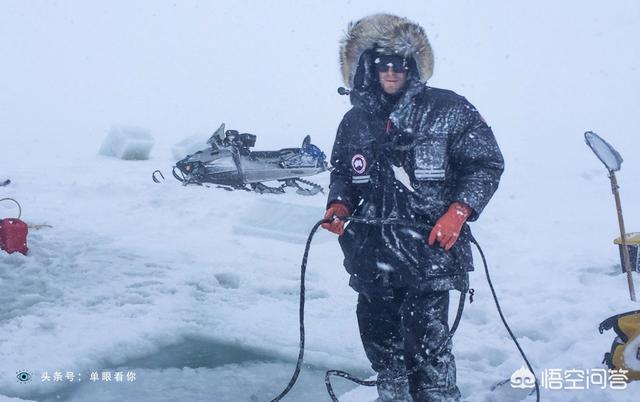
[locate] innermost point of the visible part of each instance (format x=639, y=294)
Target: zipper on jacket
x=388, y=125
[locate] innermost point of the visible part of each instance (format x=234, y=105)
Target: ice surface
x=8, y=399
x=189, y=146
x=127, y=142
x=270, y=218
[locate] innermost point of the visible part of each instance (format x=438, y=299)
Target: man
x=420, y=154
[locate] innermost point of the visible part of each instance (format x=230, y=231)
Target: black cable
x=370, y=383
x=303, y=271
x=504, y=321
x=344, y=374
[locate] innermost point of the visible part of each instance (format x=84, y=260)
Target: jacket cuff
x=475, y=209
x=339, y=200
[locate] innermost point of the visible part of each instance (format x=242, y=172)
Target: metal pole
x=625, y=251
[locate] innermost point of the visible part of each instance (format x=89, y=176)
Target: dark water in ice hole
x=225, y=373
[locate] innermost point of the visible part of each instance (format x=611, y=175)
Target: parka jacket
x=410, y=158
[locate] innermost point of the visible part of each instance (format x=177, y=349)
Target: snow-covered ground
x=196, y=289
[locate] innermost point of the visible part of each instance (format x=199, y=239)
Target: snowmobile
x=229, y=163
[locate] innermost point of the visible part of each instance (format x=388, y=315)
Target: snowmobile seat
x=273, y=156
x=247, y=140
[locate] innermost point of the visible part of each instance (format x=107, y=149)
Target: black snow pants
x=400, y=333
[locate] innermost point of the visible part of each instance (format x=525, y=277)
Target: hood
x=388, y=34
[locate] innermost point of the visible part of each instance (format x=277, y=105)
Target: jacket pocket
x=430, y=163
x=430, y=160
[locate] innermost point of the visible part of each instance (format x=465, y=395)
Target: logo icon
x=523, y=378
x=359, y=163
x=23, y=376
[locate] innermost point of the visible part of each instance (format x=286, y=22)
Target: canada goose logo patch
x=359, y=163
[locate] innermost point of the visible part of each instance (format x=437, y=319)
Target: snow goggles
x=398, y=64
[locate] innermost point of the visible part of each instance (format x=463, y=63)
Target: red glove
x=447, y=229
x=337, y=225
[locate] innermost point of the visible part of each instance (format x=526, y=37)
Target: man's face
x=392, y=82
x=392, y=73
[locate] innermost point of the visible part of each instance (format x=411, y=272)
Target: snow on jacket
x=407, y=158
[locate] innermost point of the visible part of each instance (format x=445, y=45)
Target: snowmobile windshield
x=312, y=150
x=217, y=137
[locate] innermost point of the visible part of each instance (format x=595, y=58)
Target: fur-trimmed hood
x=389, y=34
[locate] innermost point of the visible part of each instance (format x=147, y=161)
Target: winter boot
x=393, y=387
x=437, y=395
